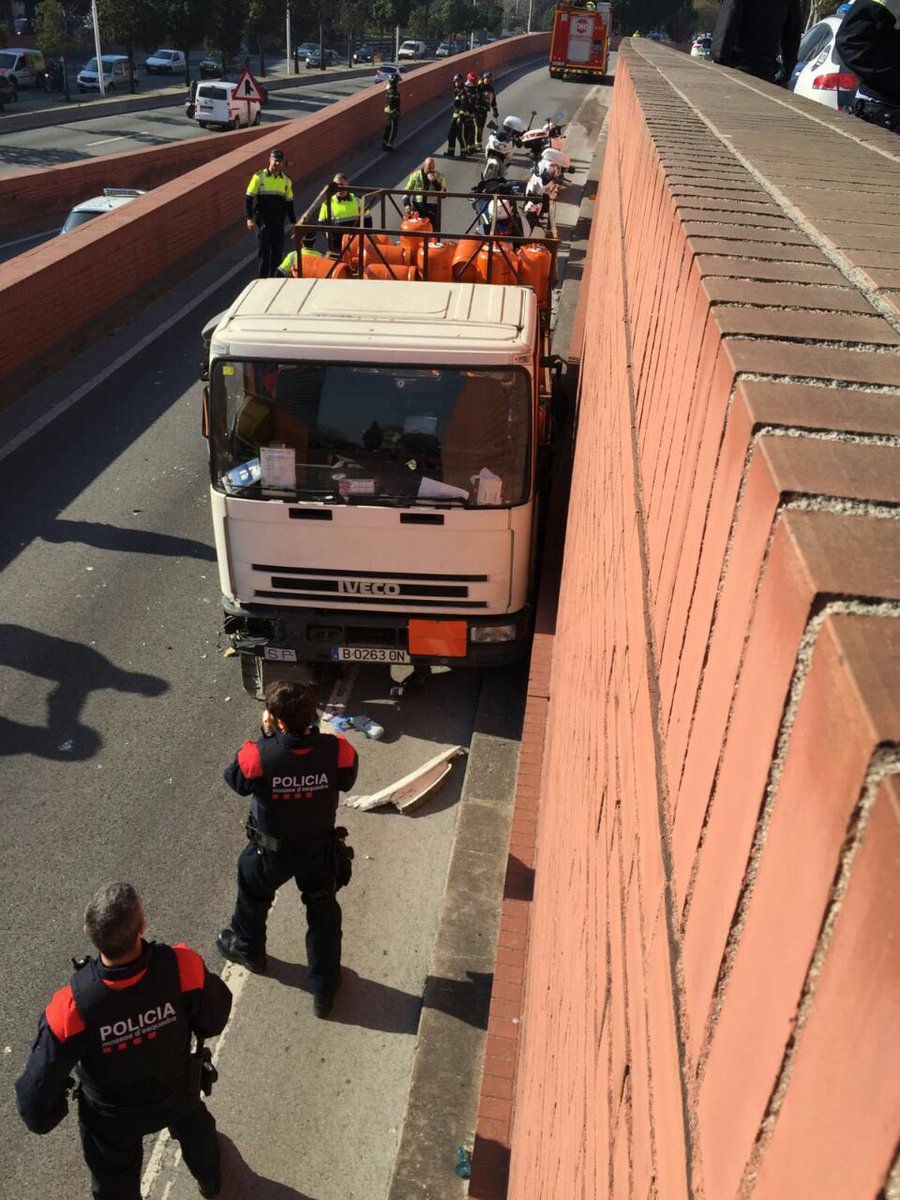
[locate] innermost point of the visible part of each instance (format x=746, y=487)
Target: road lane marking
x=103, y=141
x=32, y=237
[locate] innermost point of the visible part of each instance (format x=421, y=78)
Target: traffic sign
x=247, y=88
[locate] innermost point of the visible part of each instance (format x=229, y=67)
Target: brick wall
x=55, y=291
x=710, y=993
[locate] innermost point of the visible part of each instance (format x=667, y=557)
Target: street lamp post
x=100, y=80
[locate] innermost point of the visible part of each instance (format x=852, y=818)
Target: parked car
x=819, y=74
x=384, y=71
x=165, y=62
x=216, y=104
x=447, y=49
x=115, y=73
x=111, y=199
x=332, y=58
x=701, y=47
x=411, y=49
x=23, y=68
x=363, y=54
x=211, y=67
x=306, y=48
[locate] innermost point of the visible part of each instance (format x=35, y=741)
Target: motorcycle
x=548, y=136
x=500, y=144
x=496, y=205
x=54, y=75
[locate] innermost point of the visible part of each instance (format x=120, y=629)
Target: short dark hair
x=113, y=919
x=294, y=704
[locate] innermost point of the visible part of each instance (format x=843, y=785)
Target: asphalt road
x=120, y=713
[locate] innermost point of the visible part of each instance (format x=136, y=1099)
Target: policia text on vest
x=123, y=1025
x=269, y=202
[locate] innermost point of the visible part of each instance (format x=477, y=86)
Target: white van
x=216, y=104
x=115, y=74
x=411, y=50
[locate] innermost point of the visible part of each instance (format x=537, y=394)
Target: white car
x=216, y=104
x=386, y=71
x=702, y=46
x=115, y=73
x=111, y=199
x=819, y=74
x=165, y=62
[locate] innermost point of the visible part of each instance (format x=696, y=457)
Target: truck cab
x=374, y=448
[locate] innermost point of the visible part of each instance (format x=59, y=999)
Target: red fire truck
x=580, y=42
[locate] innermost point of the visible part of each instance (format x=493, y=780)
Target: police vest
x=296, y=798
x=340, y=211
x=137, y=1037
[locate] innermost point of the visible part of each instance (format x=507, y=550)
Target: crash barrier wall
x=709, y=1003
x=68, y=292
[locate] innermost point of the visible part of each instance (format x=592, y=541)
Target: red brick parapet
x=709, y=1002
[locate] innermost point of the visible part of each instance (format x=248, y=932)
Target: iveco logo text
x=359, y=587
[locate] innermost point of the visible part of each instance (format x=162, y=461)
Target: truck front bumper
x=317, y=635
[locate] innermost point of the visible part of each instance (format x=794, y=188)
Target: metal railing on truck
x=372, y=241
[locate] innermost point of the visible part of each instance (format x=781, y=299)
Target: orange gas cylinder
x=440, y=261
x=411, y=245
x=535, y=262
x=463, y=270
x=386, y=252
x=319, y=268
x=497, y=265
x=398, y=270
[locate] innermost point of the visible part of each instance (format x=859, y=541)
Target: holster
x=343, y=858
x=201, y=1072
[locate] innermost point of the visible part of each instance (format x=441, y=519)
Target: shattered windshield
x=343, y=433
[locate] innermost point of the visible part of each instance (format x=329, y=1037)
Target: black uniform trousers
x=113, y=1146
x=270, y=249
x=390, y=129
x=261, y=873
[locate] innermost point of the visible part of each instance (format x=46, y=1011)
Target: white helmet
x=500, y=209
x=514, y=124
x=556, y=158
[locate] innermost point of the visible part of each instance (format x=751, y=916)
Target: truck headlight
x=485, y=634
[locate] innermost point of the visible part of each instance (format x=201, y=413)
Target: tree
x=264, y=19
x=50, y=28
x=186, y=22
x=223, y=29
x=129, y=23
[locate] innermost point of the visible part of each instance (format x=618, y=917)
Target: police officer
x=269, y=203
x=308, y=249
x=453, y=132
x=124, y=1024
x=294, y=774
x=392, y=112
x=486, y=103
x=868, y=44
x=341, y=208
x=422, y=189
x=758, y=37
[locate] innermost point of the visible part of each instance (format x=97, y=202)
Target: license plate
x=279, y=654
x=363, y=654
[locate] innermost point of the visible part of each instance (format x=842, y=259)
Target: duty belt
x=278, y=845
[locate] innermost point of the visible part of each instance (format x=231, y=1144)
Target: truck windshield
x=343, y=433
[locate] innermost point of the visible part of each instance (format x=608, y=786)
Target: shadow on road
x=22, y=156
x=130, y=541
x=77, y=671
x=239, y=1181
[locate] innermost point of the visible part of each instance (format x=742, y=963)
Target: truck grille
x=392, y=589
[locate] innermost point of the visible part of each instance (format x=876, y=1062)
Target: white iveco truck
x=373, y=451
